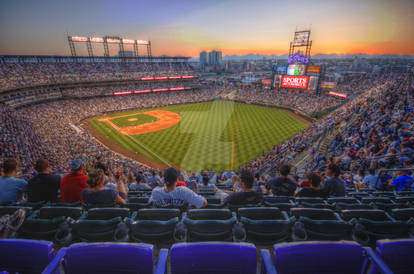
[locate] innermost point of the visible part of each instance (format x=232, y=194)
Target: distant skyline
x=187, y=27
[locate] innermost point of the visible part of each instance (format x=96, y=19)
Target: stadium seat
x=60, y=204
x=141, y=200
x=284, y=203
x=209, y=224
x=345, y=200
x=50, y=223
x=137, y=203
x=358, y=195
x=25, y=256
x=396, y=254
x=403, y=214
x=406, y=200
x=384, y=203
x=11, y=209
x=102, y=224
x=320, y=257
x=213, y=257
x=390, y=194
x=33, y=205
x=108, y=258
x=374, y=224
x=153, y=225
x=343, y=206
x=318, y=224
x=264, y=225
x=143, y=193
x=405, y=193
x=214, y=202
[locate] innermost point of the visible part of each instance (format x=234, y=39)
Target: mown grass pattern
x=202, y=140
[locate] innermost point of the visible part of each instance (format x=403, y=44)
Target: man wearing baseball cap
x=71, y=185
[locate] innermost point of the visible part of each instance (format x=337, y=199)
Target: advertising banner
x=326, y=84
x=266, y=81
x=338, y=94
x=314, y=69
x=295, y=81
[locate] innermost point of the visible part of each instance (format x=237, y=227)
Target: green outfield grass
x=210, y=135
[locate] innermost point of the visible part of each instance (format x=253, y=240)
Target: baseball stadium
x=178, y=146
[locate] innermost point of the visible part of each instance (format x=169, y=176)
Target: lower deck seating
x=318, y=224
x=102, y=224
x=372, y=225
x=209, y=224
x=153, y=225
x=265, y=225
x=50, y=223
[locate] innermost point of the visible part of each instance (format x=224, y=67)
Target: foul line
x=232, y=141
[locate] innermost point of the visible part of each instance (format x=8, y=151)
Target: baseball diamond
x=218, y=135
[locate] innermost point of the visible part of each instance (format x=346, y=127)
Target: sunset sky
x=187, y=27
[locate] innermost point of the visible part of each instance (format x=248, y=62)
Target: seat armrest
x=53, y=266
x=267, y=264
x=161, y=267
x=376, y=261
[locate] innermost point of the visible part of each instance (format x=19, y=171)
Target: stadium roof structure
x=87, y=59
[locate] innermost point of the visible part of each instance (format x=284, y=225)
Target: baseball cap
x=76, y=164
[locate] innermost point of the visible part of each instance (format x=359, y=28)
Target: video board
x=296, y=69
x=314, y=69
x=277, y=80
x=313, y=82
x=281, y=69
x=295, y=81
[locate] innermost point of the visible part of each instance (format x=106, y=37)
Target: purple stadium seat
x=397, y=254
x=213, y=257
x=108, y=258
x=320, y=257
x=25, y=256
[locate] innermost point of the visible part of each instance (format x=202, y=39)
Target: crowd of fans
x=371, y=131
x=308, y=103
x=15, y=75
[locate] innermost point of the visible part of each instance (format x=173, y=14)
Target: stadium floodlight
x=128, y=41
x=96, y=39
x=79, y=39
x=113, y=40
x=142, y=42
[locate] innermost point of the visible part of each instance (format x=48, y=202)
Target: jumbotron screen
x=296, y=69
x=294, y=81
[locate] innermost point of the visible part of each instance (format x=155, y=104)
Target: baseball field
x=219, y=135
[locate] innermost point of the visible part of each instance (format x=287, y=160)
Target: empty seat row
x=28, y=256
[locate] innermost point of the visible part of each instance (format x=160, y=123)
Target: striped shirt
x=179, y=197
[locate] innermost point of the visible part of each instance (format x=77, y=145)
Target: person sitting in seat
x=206, y=186
x=314, y=190
x=98, y=194
x=172, y=196
x=282, y=186
x=334, y=186
x=247, y=195
x=44, y=186
x=11, y=188
x=402, y=181
x=139, y=185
